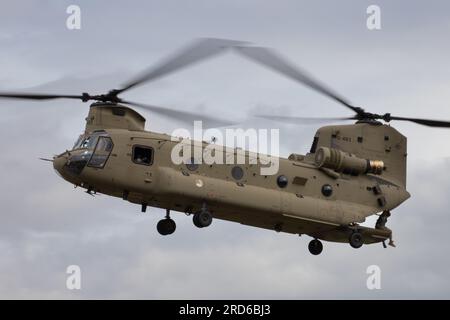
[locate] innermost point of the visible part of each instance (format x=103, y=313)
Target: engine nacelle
x=345, y=162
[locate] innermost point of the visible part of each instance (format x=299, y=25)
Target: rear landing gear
x=356, y=240
x=203, y=218
x=166, y=226
x=381, y=225
x=315, y=247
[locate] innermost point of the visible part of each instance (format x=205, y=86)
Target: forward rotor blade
x=302, y=120
x=37, y=96
x=275, y=62
x=425, y=122
x=199, y=50
x=190, y=117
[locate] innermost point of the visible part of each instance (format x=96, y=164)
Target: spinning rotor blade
x=386, y=117
x=205, y=48
x=199, y=50
x=37, y=96
x=272, y=60
x=302, y=120
x=208, y=121
x=425, y=122
x=275, y=62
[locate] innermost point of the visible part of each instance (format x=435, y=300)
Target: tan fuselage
x=255, y=199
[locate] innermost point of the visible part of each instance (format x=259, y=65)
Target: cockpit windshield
x=88, y=141
x=92, y=150
x=77, y=143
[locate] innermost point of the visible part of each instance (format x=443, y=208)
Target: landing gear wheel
x=196, y=222
x=202, y=219
x=356, y=240
x=315, y=247
x=166, y=226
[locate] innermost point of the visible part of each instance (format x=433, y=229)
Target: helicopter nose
x=58, y=163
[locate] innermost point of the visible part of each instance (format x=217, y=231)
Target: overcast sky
x=48, y=225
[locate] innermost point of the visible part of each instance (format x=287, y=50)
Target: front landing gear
x=166, y=226
x=315, y=247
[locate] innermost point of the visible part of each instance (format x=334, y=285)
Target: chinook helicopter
x=351, y=171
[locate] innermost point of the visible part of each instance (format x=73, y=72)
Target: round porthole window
x=282, y=181
x=237, y=173
x=191, y=165
x=327, y=190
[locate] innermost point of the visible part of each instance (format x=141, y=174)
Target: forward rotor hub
x=111, y=96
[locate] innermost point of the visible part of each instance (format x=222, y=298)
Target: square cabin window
x=142, y=155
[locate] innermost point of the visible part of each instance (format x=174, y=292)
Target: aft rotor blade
x=37, y=96
x=275, y=62
x=199, y=50
x=425, y=122
x=207, y=121
x=302, y=120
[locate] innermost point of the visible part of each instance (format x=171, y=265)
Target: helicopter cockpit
x=90, y=150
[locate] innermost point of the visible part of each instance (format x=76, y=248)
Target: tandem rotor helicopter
x=351, y=171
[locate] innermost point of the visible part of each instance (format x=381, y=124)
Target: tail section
x=372, y=142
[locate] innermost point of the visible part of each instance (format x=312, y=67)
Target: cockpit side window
x=101, y=153
x=142, y=155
